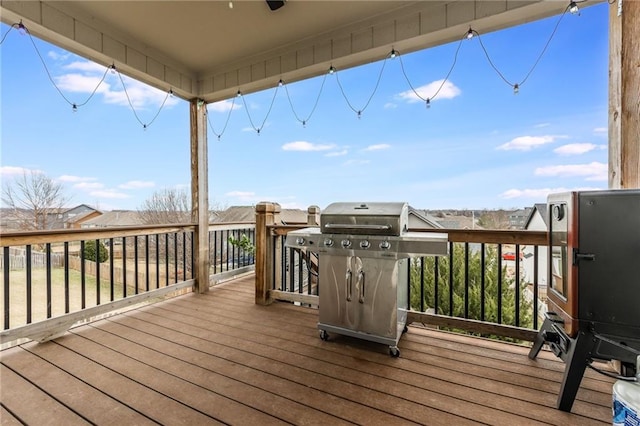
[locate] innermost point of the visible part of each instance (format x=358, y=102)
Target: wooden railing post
x=266, y=214
x=313, y=216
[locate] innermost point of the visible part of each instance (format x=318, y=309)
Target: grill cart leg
x=576, y=362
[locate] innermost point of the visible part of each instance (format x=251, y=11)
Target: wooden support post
x=313, y=216
x=624, y=94
x=266, y=214
x=200, y=193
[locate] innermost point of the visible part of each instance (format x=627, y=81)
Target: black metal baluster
x=98, y=289
x=5, y=270
x=146, y=261
x=48, y=271
x=175, y=257
x=227, y=251
x=300, y=279
x=124, y=267
x=184, y=256
x=66, y=277
x=156, y=237
x=499, y=319
x=451, y=278
x=422, y=284
x=111, y=280
x=466, y=279
x=136, y=279
x=483, y=264
x=166, y=260
x=193, y=259
x=29, y=284
x=517, y=286
x=83, y=277
x=535, y=287
x=215, y=252
x=436, y=283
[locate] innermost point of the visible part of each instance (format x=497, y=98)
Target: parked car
x=510, y=256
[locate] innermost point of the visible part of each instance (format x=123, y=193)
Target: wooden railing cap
x=267, y=207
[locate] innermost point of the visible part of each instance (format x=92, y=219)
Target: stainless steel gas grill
x=363, y=251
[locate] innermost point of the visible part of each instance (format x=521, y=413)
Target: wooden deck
x=220, y=359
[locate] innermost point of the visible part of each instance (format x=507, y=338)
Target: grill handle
x=349, y=279
x=357, y=226
x=361, y=286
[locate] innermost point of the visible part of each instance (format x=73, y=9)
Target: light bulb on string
x=573, y=8
x=22, y=30
x=74, y=108
x=113, y=68
x=171, y=93
x=239, y=93
x=304, y=123
x=332, y=69
x=359, y=115
x=280, y=83
x=516, y=89
x=470, y=34
x=258, y=132
x=428, y=103
x=393, y=54
x=219, y=138
x=144, y=127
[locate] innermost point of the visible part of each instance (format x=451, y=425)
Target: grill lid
x=374, y=218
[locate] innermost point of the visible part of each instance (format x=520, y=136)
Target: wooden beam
x=624, y=94
x=309, y=299
x=200, y=193
x=266, y=215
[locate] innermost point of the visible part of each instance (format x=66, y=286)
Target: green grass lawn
x=18, y=294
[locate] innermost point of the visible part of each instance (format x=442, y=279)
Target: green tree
x=90, y=252
x=475, y=300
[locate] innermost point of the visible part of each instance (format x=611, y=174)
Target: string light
x=572, y=8
x=470, y=34
x=22, y=30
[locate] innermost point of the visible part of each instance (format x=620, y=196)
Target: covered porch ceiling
x=207, y=50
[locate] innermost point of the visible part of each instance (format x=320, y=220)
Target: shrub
x=90, y=253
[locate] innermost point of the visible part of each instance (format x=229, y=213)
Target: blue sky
x=479, y=145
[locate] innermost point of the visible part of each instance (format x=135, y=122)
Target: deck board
x=218, y=358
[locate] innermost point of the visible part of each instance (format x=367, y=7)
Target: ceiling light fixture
x=230, y=4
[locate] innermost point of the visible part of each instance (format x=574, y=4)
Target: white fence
x=18, y=259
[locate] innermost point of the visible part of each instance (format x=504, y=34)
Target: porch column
x=313, y=216
x=624, y=94
x=200, y=193
x=266, y=214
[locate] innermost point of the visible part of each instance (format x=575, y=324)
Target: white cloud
x=540, y=193
x=390, y=105
x=242, y=195
x=431, y=91
x=74, y=179
x=87, y=186
x=526, y=143
x=109, y=193
x=575, y=148
x=13, y=171
x=57, y=55
x=86, y=76
x=337, y=153
x=601, y=130
x=594, y=171
x=306, y=146
x=377, y=147
x=541, y=125
x=137, y=184
x=223, y=106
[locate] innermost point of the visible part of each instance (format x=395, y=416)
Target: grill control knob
x=365, y=244
x=328, y=242
x=346, y=243
x=385, y=245
x=299, y=241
